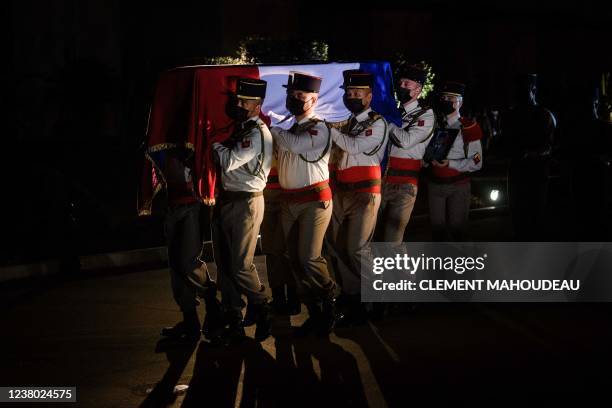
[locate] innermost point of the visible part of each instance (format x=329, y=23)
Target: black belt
x=357, y=185
x=449, y=180
x=238, y=195
x=403, y=173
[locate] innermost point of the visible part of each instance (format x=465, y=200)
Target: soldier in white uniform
x=245, y=161
x=449, y=181
x=407, y=145
x=303, y=157
x=359, y=148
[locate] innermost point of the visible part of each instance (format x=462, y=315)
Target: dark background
x=79, y=76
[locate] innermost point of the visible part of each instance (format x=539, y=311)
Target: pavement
x=100, y=333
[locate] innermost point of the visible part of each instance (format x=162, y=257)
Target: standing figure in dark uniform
x=528, y=129
x=189, y=276
x=590, y=130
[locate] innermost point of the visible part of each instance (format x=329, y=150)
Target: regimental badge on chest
x=246, y=143
x=368, y=132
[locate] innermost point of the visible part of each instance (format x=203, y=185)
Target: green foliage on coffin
x=258, y=50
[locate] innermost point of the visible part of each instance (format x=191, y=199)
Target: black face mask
x=239, y=114
x=295, y=106
x=446, y=107
x=355, y=105
x=234, y=111
x=404, y=95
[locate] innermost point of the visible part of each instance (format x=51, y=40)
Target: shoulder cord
x=382, y=142
x=261, y=156
x=413, y=119
x=433, y=129
x=416, y=117
x=361, y=126
x=327, y=147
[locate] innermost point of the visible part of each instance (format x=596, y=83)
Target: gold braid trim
x=145, y=209
x=337, y=125
x=166, y=146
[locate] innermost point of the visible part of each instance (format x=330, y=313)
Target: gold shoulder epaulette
x=374, y=116
x=337, y=125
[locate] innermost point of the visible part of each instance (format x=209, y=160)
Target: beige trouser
x=237, y=223
x=304, y=225
x=449, y=207
x=273, y=242
x=351, y=230
x=396, y=208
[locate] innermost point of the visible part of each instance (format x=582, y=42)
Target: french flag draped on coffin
x=188, y=111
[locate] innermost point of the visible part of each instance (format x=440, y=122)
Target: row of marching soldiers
x=316, y=191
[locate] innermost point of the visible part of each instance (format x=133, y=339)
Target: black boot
x=312, y=323
x=294, y=306
x=342, y=303
x=328, y=317
x=353, y=312
x=279, y=301
x=264, y=321
x=234, y=333
x=214, y=321
x=250, y=317
x=187, y=329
